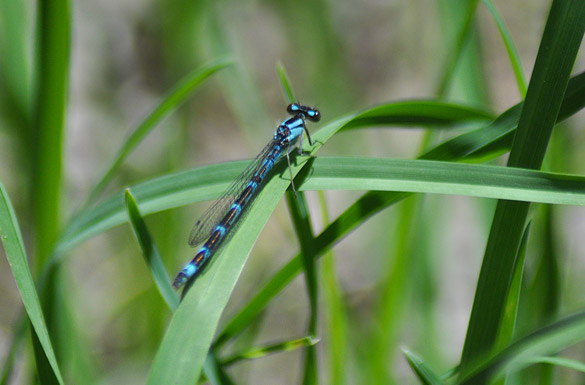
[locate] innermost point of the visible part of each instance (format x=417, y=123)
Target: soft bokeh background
x=341, y=56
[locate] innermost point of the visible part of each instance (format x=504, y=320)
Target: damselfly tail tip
x=180, y=280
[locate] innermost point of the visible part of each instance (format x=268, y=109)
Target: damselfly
x=222, y=216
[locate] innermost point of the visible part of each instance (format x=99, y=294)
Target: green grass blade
x=509, y=322
x=419, y=113
x=560, y=361
x=498, y=135
x=424, y=373
x=547, y=282
x=14, y=246
x=189, y=335
x=54, y=20
x=424, y=176
x=462, y=35
x=562, y=37
x=263, y=351
x=215, y=373
x=170, y=102
x=285, y=83
x=249, y=111
x=336, y=336
x=548, y=340
x=179, y=189
x=15, y=60
x=510, y=47
x=173, y=190
x=255, y=306
x=302, y=224
x=150, y=251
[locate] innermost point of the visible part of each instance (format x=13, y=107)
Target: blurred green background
x=341, y=57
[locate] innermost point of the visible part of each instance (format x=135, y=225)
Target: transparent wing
x=205, y=225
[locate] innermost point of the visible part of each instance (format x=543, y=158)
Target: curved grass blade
x=424, y=373
x=425, y=176
x=548, y=340
x=150, y=251
x=419, y=113
x=14, y=246
x=173, y=190
x=285, y=83
x=559, y=361
x=263, y=351
x=176, y=190
x=172, y=100
x=510, y=47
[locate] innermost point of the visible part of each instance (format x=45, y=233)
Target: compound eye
x=293, y=108
x=314, y=115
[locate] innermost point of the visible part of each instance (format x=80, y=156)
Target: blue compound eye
x=293, y=108
x=313, y=115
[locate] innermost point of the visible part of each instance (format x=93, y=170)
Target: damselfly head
x=308, y=112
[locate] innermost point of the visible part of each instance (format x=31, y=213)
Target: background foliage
x=416, y=97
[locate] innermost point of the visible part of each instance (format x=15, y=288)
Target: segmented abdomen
x=222, y=229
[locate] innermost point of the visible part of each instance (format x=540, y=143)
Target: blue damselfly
x=222, y=216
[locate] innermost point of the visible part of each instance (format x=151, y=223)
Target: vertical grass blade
x=509, y=320
x=462, y=35
x=556, y=55
x=15, y=63
x=54, y=28
x=13, y=245
x=285, y=83
x=545, y=341
x=302, y=224
x=336, y=314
